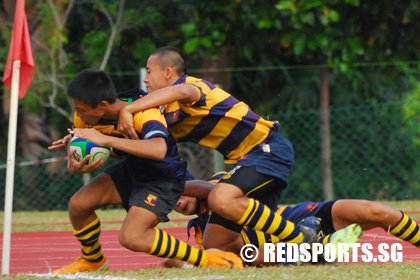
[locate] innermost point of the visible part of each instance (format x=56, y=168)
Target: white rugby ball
x=82, y=147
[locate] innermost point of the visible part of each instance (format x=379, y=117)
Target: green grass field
x=323, y=272
x=111, y=219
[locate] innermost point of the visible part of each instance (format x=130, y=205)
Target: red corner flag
x=20, y=49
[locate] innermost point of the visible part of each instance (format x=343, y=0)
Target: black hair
x=91, y=86
x=172, y=57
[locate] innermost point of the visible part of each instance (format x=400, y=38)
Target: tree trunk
x=325, y=136
x=210, y=73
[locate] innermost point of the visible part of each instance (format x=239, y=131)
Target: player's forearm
x=198, y=188
x=180, y=93
x=154, y=148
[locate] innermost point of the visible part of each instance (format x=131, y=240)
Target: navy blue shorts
x=275, y=157
x=266, y=189
x=159, y=196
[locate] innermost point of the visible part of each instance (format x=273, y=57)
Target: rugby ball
x=82, y=147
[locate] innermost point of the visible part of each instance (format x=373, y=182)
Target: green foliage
x=412, y=115
x=317, y=27
x=373, y=156
x=340, y=34
x=93, y=47
x=259, y=33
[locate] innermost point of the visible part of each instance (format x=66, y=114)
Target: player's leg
x=317, y=215
x=219, y=236
x=303, y=215
x=150, y=203
x=371, y=214
x=368, y=214
x=235, y=198
x=97, y=193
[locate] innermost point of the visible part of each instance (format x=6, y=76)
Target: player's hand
x=76, y=167
x=90, y=134
x=60, y=144
x=125, y=124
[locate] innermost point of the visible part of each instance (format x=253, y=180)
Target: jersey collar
x=181, y=80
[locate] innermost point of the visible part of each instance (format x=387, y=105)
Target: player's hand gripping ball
x=82, y=147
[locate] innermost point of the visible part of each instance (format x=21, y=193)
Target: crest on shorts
x=311, y=207
x=151, y=199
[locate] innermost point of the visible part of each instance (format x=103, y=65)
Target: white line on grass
x=109, y=277
x=76, y=276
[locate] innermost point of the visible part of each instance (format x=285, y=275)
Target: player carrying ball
x=148, y=181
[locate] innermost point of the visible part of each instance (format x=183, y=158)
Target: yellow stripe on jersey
x=226, y=124
x=219, y=121
x=106, y=128
x=142, y=117
x=139, y=120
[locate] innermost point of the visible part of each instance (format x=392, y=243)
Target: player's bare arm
x=179, y=93
x=198, y=188
x=154, y=148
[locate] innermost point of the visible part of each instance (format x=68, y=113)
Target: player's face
x=156, y=77
x=89, y=115
x=186, y=205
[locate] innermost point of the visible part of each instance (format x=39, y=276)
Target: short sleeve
x=150, y=123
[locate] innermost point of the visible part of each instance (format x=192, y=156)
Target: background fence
x=373, y=157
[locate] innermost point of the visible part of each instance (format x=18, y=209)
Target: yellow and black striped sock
x=408, y=230
x=167, y=246
x=252, y=236
x=260, y=217
x=89, y=238
x=324, y=239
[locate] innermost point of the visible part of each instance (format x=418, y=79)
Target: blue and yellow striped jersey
x=148, y=124
x=217, y=120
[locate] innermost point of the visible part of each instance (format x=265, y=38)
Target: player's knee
x=125, y=240
x=218, y=202
x=375, y=209
x=76, y=204
x=381, y=214
x=79, y=205
x=133, y=241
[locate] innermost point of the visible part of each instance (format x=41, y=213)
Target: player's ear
x=169, y=72
x=103, y=105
